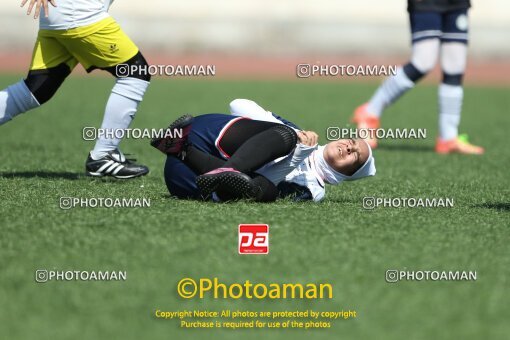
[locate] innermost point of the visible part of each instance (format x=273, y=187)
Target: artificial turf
x=336, y=241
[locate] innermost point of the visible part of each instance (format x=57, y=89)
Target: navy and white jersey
x=437, y=5
x=305, y=182
x=296, y=174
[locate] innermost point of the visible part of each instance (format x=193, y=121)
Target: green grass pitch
x=42, y=158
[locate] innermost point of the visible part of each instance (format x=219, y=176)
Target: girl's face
x=346, y=155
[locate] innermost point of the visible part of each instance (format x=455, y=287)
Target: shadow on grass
x=42, y=174
x=501, y=206
x=405, y=147
x=337, y=200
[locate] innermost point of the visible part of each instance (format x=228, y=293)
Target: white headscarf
x=334, y=177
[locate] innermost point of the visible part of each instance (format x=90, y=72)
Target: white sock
x=14, y=100
x=450, y=106
x=120, y=111
x=389, y=91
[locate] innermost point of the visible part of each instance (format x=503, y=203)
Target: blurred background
x=262, y=38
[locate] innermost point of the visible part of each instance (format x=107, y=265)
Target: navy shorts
x=450, y=26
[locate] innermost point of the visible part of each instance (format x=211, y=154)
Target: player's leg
x=14, y=100
x=451, y=93
x=106, y=159
x=201, y=162
x=423, y=60
x=122, y=105
x=51, y=64
x=250, y=145
x=426, y=30
x=260, y=190
x=232, y=185
x=265, y=190
x=180, y=178
x=104, y=45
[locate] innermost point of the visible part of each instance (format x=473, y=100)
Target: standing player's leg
x=51, y=64
x=120, y=111
x=104, y=45
x=426, y=31
x=451, y=93
x=126, y=96
x=14, y=100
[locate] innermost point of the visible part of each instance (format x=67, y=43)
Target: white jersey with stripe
x=74, y=13
x=306, y=175
x=298, y=170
